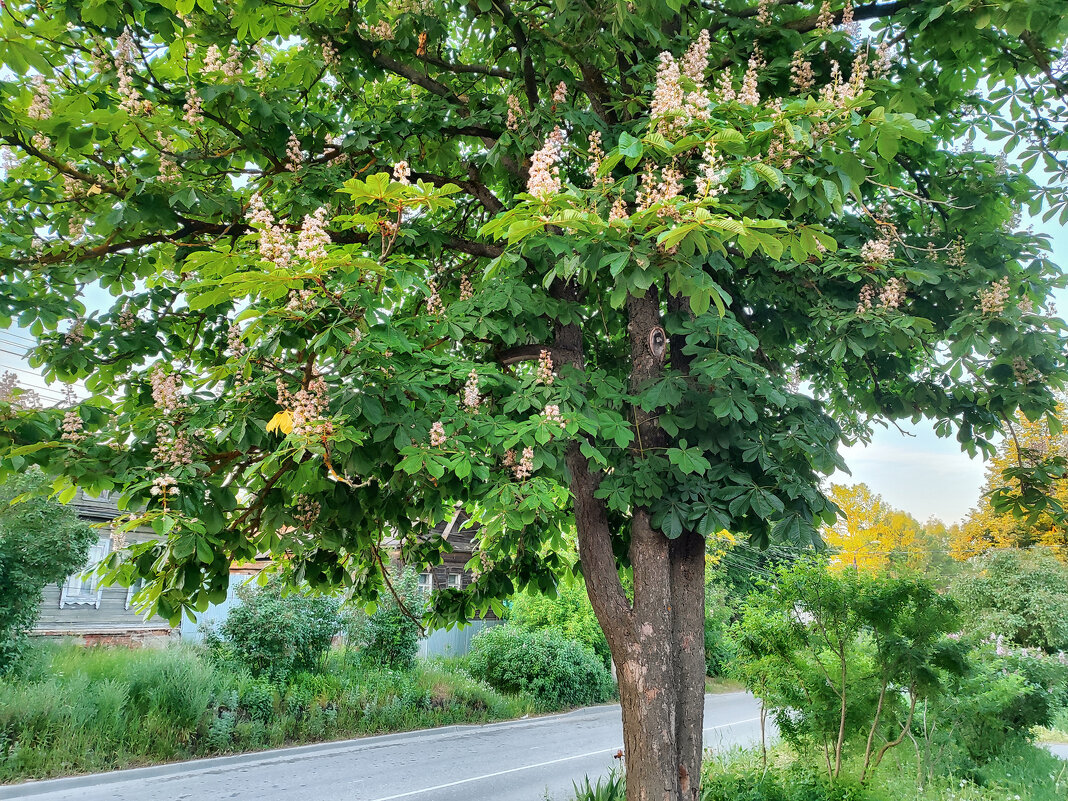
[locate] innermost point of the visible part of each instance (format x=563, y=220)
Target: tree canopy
x=639, y=267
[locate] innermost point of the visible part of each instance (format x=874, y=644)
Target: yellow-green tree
x=870, y=534
x=1027, y=443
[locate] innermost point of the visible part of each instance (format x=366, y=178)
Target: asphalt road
x=524, y=760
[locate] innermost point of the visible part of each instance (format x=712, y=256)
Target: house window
x=426, y=583
x=81, y=589
x=456, y=581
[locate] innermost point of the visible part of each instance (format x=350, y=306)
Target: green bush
x=389, y=637
x=1019, y=593
x=274, y=634
x=556, y=671
x=718, y=649
x=41, y=542
x=569, y=613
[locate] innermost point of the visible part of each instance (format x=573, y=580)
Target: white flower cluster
x=263, y=63
x=130, y=99
x=544, y=373
x=193, y=109
x=467, y=291
x=274, y=244
x=41, y=104
x=849, y=24
x=301, y=300
x=957, y=256
x=994, y=298
x=313, y=237
x=168, y=167
x=472, y=400
x=127, y=317
x=308, y=407
x=164, y=486
x=525, y=467
x=655, y=190
x=891, y=296
x=877, y=251
x=560, y=93
x=381, y=30
x=437, y=435
x=825, y=20
x=596, y=154
x=618, y=210
x=330, y=56
x=764, y=11
x=175, y=451
x=433, y=302
x=544, y=179
x=749, y=94
x=401, y=172
x=294, y=154
x=552, y=415
x=673, y=107
x=165, y=390
x=231, y=67
x=73, y=429
x=75, y=334
x=515, y=113
x=709, y=180
x=1024, y=372
x=802, y=78
x=235, y=341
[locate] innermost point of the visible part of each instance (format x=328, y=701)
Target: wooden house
x=82, y=609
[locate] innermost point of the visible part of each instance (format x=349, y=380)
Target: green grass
x=1057, y=732
x=718, y=684
x=74, y=710
x=1023, y=772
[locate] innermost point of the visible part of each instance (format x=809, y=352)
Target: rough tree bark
x=657, y=641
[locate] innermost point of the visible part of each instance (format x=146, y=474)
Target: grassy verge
x=76, y=710
x=718, y=684
x=1022, y=773
x=1056, y=733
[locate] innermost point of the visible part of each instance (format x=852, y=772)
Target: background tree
x=1027, y=444
x=1018, y=594
x=41, y=542
x=368, y=261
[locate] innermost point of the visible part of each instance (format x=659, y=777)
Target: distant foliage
x=1031, y=444
x=41, y=542
x=1020, y=594
x=389, y=637
x=274, y=635
x=556, y=671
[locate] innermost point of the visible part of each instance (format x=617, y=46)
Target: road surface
x=523, y=760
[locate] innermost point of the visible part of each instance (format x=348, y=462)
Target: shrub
x=274, y=634
x=717, y=614
x=41, y=542
x=389, y=637
x=569, y=613
x=556, y=671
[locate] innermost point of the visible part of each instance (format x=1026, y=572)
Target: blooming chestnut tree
x=633, y=269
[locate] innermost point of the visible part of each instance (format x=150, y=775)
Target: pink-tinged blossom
x=41, y=142
x=749, y=94
x=165, y=390
x=560, y=93
x=544, y=180
x=193, y=110
x=313, y=238
x=515, y=113
x=235, y=340
x=437, y=435
x=234, y=65
x=596, y=155
x=330, y=57
x=695, y=61
x=72, y=427
x=164, y=487
x=41, y=104
x=802, y=77
x=175, y=451
x=75, y=334
x=618, y=210
x=274, y=240
x=892, y=295
x=401, y=171
x=849, y=24
x=668, y=111
x=472, y=400
x=825, y=20
x=433, y=301
x=883, y=61
x=307, y=407
x=308, y=511
x=994, y=298
x=525, y=467
x=725, y=88
x=552, y=415
x=294, y=154
x=466, y=290
x=957, y=255
x=763, y=16
x=213, y=61
x=544, y=374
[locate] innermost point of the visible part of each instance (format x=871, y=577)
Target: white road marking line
x=410, y=793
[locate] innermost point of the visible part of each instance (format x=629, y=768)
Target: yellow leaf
x=94, y=190
x=283, y=421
